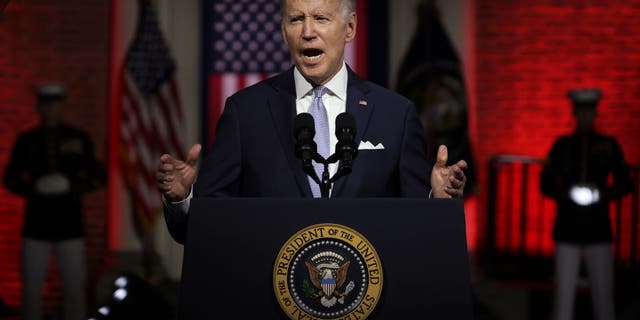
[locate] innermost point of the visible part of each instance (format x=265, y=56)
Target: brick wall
x=45, y=41
x=529, y=53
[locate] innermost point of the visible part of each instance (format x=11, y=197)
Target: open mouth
x=312, y=54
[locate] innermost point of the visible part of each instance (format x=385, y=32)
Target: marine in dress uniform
x=577, y=175
x=51, y=166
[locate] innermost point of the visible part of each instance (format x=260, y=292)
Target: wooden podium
x=232, y=245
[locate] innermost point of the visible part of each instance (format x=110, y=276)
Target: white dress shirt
x=335, y=101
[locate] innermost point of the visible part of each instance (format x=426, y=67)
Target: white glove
x=584, y=194
x=53, y=184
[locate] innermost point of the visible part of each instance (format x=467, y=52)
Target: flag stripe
x=152, y=121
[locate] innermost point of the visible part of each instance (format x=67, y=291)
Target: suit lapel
x=282, y=105
x=361, y=109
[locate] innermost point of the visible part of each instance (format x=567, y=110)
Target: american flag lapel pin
x=363, y=103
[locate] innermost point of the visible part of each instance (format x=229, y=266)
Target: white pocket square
x=366, y=145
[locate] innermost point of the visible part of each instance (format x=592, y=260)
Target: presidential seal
x=327, y=271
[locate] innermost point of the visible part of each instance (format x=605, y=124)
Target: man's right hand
x=175, y=177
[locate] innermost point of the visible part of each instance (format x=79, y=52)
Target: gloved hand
x=584, y=194
x=53, y=184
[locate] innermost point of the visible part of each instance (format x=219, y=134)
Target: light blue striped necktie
x=321, y=138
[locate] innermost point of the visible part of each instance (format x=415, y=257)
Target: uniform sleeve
x=622, y=182
x=551, y=182
x=91, y=175
x=16, y=176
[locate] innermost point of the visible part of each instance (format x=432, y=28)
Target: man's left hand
x=447, y=181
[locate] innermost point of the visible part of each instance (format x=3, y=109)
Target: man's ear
x=284, y=36
x=352, y=22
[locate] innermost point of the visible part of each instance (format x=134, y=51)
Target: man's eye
x=295, y=19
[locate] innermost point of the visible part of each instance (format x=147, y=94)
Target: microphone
x=346, y=149
x=305, y=147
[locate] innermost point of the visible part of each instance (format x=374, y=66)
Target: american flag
x=243, y=45
x=151, y=118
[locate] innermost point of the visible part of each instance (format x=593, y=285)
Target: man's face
x=50, y=111
x=316, y=32
x=585, y=119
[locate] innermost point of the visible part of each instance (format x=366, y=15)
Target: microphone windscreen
x=345, y=121
x=304, y=121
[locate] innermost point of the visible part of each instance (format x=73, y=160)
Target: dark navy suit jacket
x=253, y=155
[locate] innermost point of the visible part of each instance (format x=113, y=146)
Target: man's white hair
x=348, y=6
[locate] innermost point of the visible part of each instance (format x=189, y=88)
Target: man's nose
x=308, y=30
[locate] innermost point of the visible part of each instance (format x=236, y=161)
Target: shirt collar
x=337, y=85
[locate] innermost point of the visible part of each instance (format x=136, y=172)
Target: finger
x=443, y=156
x=166, y=164
x=458, y=176
x=165, y=189
x=163, y=184
x=160, y=176
x=458, y=173
x=166, y=168
x=462, y=165
x=167, y=158
x=455, y=183
x=165, y=175
x=194, y=154
x=454, y=193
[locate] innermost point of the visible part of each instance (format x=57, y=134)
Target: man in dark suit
x=254, y=154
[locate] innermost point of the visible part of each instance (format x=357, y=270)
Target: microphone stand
x=325, y=184
x=326, y=181
x=345, y=152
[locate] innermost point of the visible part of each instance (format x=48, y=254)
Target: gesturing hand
x=175, y=177
x=447, y=181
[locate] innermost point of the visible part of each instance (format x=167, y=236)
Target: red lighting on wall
x=528, y=54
